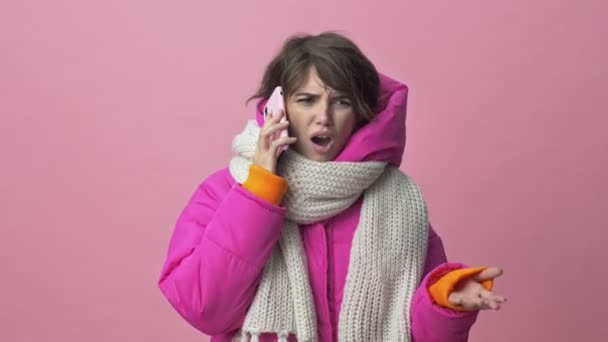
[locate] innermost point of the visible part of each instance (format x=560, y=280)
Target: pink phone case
x=275, y=104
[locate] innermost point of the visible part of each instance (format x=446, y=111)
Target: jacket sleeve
x=220, y=244
x=429, y=321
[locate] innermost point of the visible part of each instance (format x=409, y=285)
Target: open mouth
x=321, y=141
x=321, y=144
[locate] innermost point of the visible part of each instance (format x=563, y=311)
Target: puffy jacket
x=226, y=232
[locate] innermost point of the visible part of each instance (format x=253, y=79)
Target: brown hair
x=339, y=63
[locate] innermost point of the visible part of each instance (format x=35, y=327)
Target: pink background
x=113, y=111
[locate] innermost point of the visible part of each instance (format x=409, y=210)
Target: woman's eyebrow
x=305, y=93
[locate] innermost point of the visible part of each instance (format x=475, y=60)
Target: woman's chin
x=318, y=156
x=310, y=153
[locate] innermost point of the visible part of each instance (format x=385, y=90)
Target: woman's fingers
x=485, y=294
x=271, y=126
x=475, y=303
x=490, y=300
x=269, y=131
x=280, y=142
x=266, y=152
x=274, y=117
x=493, y=305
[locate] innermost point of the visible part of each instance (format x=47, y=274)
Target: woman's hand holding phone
x=266, y=152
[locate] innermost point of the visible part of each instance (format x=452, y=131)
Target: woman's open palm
x=470, y=294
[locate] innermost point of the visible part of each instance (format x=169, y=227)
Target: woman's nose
x=323, y=115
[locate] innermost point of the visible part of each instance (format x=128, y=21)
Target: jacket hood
x=383, y=138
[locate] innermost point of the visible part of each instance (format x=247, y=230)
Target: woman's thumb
x=489, y=273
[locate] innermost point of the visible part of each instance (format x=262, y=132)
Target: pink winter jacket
x=225, y=235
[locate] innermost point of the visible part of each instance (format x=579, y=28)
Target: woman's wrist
x=265, y=184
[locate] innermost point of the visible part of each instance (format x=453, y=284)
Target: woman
x=330, y=241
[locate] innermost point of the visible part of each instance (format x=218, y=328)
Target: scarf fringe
x=254, y=336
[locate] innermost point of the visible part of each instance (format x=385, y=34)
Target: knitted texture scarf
x=387, y=254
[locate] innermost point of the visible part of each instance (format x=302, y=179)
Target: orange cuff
x=441, y=289
x=265, y=184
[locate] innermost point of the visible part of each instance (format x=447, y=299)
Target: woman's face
x=321, y=119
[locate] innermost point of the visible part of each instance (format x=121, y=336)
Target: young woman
x=330, y=241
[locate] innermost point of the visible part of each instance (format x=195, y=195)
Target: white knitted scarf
x=387, y=254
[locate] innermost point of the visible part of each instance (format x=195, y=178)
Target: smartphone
x=275, y=104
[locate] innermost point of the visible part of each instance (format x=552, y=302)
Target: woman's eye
x=343, y=102
x=337, y=101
